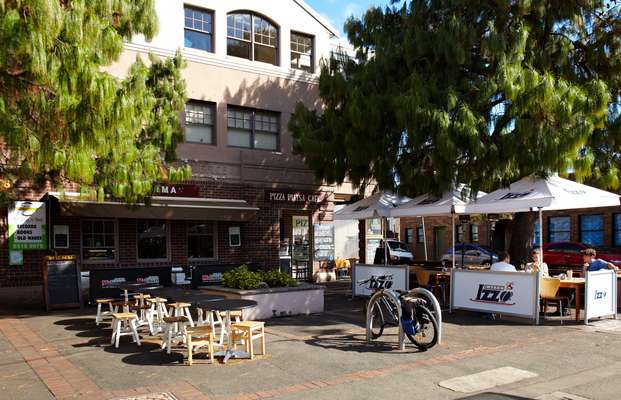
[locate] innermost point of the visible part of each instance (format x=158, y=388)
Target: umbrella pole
x=385, y=225
x=453, y=236
x=540, y=239
x=425, y=239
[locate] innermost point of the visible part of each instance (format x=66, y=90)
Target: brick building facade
x=598, y=226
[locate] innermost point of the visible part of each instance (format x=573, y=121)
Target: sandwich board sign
x=27, y=226
x=601, y=295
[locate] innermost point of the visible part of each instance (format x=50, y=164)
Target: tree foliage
x=469, y=91
x=63, y=118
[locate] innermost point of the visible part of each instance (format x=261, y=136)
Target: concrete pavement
x=64, y=355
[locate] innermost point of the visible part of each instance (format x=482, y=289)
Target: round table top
x=227, y=304
x=149, y=287
x=132, y=285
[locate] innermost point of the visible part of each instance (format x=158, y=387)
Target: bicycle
x=382, y=309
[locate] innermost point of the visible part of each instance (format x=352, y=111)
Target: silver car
x=471, y=254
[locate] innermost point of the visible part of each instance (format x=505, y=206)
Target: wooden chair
x=100, y=313
x=424, y=280
x=248, y=331
x=548, y=291
x=124, y=324
x=199, y=337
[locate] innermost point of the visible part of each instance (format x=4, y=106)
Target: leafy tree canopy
x=64, y=119
x=480, y=92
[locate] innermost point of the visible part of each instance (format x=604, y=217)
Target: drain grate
x=151, y=396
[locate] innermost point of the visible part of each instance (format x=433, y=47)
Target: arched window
x=253, y=37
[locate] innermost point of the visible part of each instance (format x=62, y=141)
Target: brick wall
x=259, y=237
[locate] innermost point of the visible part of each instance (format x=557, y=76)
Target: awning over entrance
x=161, y=207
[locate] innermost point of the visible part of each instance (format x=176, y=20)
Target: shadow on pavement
x=494, y=396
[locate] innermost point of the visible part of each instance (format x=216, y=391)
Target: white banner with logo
x=601, y=295
x=511, y=293
x=400, y=277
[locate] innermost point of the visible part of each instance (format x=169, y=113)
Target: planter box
x=275, y=302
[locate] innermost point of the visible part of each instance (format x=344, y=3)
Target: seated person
x=536, y=265
x=503, y=263
x=591, y=263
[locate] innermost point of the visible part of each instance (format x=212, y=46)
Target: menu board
x=324, y=242
x=61, y=282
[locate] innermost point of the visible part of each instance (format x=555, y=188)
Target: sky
x=337, y=11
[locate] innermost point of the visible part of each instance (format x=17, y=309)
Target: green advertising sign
x=27, y=226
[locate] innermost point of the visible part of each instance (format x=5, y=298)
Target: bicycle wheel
x=381, y=312
x=426, y=335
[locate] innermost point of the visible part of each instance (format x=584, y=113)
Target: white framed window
x=198, y=30
x=252, y=37
x=253, y=129
x=200, y=117
x=302, y=52
x=202, y=240
x=234, y=236
x=98, y=240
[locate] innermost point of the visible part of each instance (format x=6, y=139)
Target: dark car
x=569, y=254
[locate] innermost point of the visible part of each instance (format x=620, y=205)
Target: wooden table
x=577, y=284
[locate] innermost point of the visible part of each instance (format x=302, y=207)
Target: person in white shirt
x=536, y=265
x=503, y=263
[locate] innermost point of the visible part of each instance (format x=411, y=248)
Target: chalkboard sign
x=324, y=242
x=61, y=282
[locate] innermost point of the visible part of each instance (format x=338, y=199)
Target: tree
x=63, y=119
x=469, y=91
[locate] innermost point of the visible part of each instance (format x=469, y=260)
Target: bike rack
x=419, y=291
x=436, y=308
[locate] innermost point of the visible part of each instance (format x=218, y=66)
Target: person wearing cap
x=591, y=263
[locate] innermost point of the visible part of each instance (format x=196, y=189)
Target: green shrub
x=275, y=278
x=241, y=278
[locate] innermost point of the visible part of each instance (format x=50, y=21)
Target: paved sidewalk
x=64, y=355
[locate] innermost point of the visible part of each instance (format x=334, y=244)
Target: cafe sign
x=27, y=226
x=176, y=190
x=296, y=197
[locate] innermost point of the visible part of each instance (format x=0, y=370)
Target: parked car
x=398, y=253
x=569, y=254
x=473, y=253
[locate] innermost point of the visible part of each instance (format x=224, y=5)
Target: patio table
x=228, y=305
x=577, y=284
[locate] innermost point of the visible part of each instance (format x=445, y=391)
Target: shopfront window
x=560, y=229
x=152, y=238
x=617, y=230
x=536, y=234
x=201, y=241
x=459, y=232
x=592, y=229
x=98, y=240
x=420, y=235
x=409, y=235
x=474, y=233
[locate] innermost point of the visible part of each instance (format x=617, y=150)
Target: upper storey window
x=302, y=52
x=253, y=37
x=198, y=32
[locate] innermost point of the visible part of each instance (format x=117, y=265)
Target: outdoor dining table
x=137, y=286
x=577, y=284
x=228, y=305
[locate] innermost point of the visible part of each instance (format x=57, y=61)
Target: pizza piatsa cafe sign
x=296, y=197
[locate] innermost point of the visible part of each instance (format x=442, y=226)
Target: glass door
x=300, y=249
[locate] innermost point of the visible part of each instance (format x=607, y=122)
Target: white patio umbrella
x=538, y=194
x=379, y=205
x=450, y=203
